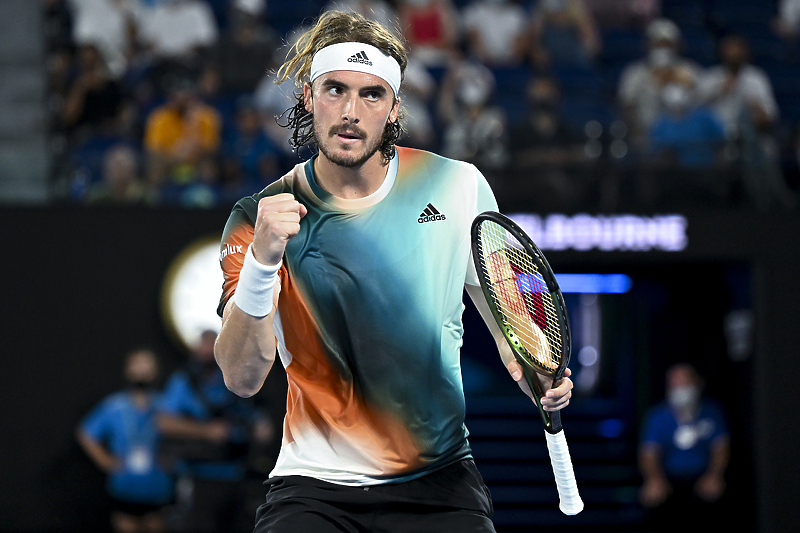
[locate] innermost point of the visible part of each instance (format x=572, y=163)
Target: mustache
x=347, y=129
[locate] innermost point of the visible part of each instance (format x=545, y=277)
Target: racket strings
x=521, y=296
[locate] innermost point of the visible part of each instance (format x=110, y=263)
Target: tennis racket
x=527, y=304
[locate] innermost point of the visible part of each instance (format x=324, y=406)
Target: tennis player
x=353, y=266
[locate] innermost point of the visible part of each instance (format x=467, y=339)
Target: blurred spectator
x=739, y=91
x=94, y=100
x=545, y=148
x=683, y=455
x=642, y=82
x=121, y=183
x=250, y=159
x=121, y=438
x=58, y=22
x=741, y=96
x=787, y=22
x=178, y=34
x=417, y=92
x=624, y=13
x=685, y=134
x=111, y=26
x=497, y=32
x=377, y=10
x=563, y=33
x=431, y=28
x=204, y=192
x=179, y=135
x=273, y=100
x=473, y=130
x=543, y=138
x=209, y=431
x=244, y=52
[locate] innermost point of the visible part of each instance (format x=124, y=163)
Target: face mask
x=141, y=385
x=676, y=97
x=661, y=57
x=684, y=397
x=472, y=94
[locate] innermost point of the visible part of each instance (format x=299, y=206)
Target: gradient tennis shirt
x=369, y=319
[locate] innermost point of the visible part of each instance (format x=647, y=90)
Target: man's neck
x=350, y=183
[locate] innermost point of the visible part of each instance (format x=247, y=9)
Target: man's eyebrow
x=333, y=82
x=375, y=88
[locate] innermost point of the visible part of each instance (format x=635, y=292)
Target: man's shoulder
x=115, y=401
x=415, y=156
x=660, y=413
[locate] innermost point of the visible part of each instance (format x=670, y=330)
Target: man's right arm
x=245, y=347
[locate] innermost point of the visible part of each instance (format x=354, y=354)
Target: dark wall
x=83, y=286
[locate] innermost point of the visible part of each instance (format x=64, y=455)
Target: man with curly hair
x=352, y=268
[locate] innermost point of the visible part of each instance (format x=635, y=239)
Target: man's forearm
x=720, y=454
x=245, y=349
x=650, y=463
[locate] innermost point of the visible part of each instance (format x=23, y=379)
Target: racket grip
x=571, y=502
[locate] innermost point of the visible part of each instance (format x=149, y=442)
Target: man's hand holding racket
x=555, y=398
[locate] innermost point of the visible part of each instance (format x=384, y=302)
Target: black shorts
x=451, y=500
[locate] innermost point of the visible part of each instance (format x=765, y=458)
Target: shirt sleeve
x=653, y=432
x=485, y=201
x=97, y=424
x=179, y=399
x=236, y=237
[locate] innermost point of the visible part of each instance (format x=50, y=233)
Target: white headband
x=360, y=57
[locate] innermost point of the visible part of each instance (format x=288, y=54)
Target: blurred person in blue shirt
x=686, y=134
x=120, y=435
x=683, y=454
x=208, y=434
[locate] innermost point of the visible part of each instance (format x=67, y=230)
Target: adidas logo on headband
x=360, y=57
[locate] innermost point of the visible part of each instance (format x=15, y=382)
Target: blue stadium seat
x=576, y=113
x=622, y=46
x=727, y=13
x=582, y=82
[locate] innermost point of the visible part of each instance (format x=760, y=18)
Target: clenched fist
x=277, y=221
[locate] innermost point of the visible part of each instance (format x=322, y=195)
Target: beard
x=350, y=159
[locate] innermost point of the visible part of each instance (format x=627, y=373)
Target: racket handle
x=571, y=502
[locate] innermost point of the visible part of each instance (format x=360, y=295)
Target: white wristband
x=254, y=292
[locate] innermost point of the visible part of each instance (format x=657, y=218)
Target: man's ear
x=308, y=98
x=394, y=112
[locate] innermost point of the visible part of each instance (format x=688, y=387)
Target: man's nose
x=350, y=113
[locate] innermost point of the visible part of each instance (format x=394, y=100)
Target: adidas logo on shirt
x=430, y=214
x=360, y=57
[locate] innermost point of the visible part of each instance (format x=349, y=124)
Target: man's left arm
x=557, y=395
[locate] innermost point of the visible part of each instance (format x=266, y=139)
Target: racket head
x=523, y=295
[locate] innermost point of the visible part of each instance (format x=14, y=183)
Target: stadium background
x=83, y=284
